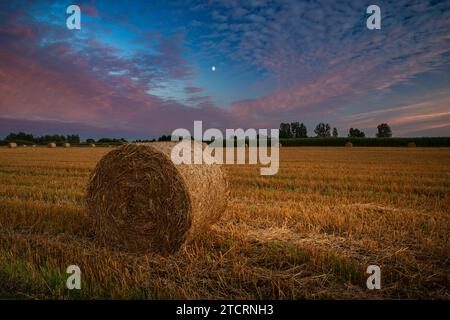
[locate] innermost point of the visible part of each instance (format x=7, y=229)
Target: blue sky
x=143, y=68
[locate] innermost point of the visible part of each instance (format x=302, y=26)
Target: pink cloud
x=90, y=10
x=95, y=86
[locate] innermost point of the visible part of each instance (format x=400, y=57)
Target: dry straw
x=349, y=144
x=140, y=201
x=12, y=145
x=51, y=145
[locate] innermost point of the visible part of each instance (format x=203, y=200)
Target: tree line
x=28, y=138
x=323, y=130
x=22, y=137
x=287, y=131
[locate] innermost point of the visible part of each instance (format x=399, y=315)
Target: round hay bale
x=12, y=145
x=24, y=146
x=66, y=145
x=51, y=145
x=92, y=145
x=349, y=144
x=411, y=145
x=140, y=201
x=33, y=146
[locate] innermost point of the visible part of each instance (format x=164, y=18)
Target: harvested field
x=308, y=232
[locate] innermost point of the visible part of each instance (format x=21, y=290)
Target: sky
x=139, y=69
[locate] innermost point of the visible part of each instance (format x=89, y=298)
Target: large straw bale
x=140, y=201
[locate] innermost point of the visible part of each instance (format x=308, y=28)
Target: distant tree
x=323, y=130
x=164, y=138
x=20, y=136
x=303, y=132
x=295, y=129
x=285, y=131
x=73, y=139
x=299, y=130
x=138, y=140
x=356, y=133
x=384, y=131
x=11, y=137
x=90, y=140
x=116, y=141
x=335, y=132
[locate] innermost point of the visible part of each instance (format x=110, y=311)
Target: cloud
x=320, y=51
x=431, y=112
x=434, y=129
x=192, y=89
x=89, y=10
x=48, y=73
x=315, y=56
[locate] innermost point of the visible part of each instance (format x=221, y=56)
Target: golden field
x=308, y=232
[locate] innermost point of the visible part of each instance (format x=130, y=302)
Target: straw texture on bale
x=51, y=145
x=140, y=201
x=349, y=144
x=411, y=145
x=12, y=145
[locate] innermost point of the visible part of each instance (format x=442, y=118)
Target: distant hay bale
x=12, y=145
x=92, y=145
x=349, y=144
x=66, y=145
x=51, y=145
x=33, y=146
x=411, y=145
x=140, y=201
x=24, y=146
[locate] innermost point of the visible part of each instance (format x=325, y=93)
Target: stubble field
x=308, y=232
